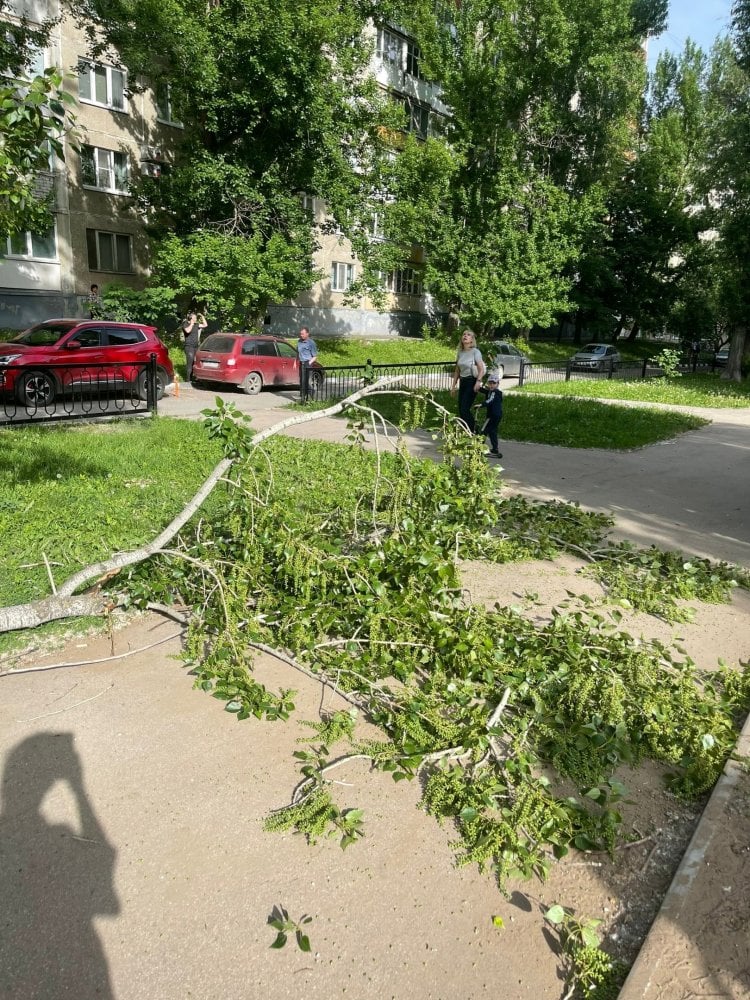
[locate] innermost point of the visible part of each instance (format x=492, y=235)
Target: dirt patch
x=180, y=791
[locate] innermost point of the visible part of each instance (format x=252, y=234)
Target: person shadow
x=54, y=879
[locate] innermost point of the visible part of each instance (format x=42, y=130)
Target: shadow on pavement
x=54, y=880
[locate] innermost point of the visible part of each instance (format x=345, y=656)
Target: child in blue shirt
x=493, y=403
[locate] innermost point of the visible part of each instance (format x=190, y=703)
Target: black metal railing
x=52, y=392
x=630, y=371
x=335, y=382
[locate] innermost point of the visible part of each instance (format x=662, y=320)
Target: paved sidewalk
x=691, y=493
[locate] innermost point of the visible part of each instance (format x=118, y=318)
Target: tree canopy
x=35, y=113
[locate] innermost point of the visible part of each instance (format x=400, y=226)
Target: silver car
x=596, y=358
x=506, y=359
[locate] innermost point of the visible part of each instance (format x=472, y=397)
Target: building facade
x=96, y=237
x=125, y=130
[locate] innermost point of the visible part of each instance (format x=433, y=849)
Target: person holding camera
x=192, y=327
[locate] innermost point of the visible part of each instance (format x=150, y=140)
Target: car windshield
x=594, y=349
x=219, y=343
x=43, y=335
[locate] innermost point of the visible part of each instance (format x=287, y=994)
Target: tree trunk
x=635, y=330
x=733, y=370
x=578, y=331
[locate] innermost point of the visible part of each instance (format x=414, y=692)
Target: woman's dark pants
x=466, y=397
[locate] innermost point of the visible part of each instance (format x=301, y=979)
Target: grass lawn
x=78, y=494
x=571, y=423
x=336, y=351
x=687, y=390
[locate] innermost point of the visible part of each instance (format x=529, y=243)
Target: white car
x=596, y=358
x=506, y=359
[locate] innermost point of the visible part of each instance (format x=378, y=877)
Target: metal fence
x=342, y=380
x=626, y=371
x=77, y=391
x=339, y=381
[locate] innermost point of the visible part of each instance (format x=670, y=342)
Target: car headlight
x=8, y=359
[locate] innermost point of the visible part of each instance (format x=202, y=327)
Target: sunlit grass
x=687, y=390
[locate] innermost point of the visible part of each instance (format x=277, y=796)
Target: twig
x=574, y=548
x=321, y=678
x=500, y=709
x=75, y=705
x=88, y=663
x=168, y=611
x=651, y=853
x=49, y=573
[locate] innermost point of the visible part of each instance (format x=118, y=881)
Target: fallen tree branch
x=64, y=605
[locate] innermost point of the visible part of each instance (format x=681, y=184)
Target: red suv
x=100, y=354
x=251, y=362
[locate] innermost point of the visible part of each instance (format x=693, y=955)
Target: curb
x=650, y=974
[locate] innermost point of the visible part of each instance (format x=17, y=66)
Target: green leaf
x=498, y=921
x=280, y=940
x=555, y=914
x=303, y=941
x=590, y=937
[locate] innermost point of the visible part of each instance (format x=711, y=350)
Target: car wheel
x=500, y=369
x=162, y=380
x=252, y=384
x=36, y=389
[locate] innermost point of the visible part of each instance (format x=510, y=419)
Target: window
x=389, y=47
x=342, y=275
x=35, y=63
x=88, y=338
x=32, y=245
x=417, y=117
x=404, y=281
x=164, y=108
x=109, y=251
x=102, y=85
x=124, y=338
x=286, y=351
x=308, y=202
x=104, y=169
x=413, y=55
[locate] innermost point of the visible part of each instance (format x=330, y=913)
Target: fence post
x=644, y=367
x=151, y=384
x=521, y=373
x=611, y=369
x=568, y=366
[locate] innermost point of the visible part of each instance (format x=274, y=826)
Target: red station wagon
x=33, y=364
x=250, y=362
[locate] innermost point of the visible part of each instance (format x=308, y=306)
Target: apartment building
x=396, y=66
x=96, y=236
x=126, y=131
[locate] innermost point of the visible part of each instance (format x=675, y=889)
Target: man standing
x=307, y=352
x=192, y=327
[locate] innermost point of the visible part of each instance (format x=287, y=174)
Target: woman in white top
x=468, y=376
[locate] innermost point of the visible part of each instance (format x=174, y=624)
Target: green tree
x=726, y=178
x=35, y=114
x=275, y=101
x=542, y=98
x=654, y=210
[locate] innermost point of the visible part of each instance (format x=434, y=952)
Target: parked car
x=596, y=357
x=100, y=353
x=506, y=359
x=250, y=362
